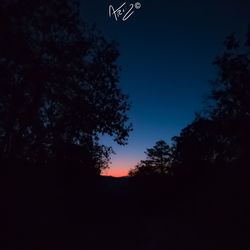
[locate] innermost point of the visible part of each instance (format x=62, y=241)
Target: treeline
x=218, y=140
x=59, y=87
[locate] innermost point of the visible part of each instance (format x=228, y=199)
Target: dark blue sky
x=167, y=49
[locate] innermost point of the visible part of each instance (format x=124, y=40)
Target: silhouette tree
x=58, y=84
x=219, y=137
x=158, y=161
x=231, y=95
x=196, y=148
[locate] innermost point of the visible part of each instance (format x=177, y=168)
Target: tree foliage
x=58, y=83
x=158, y=161
x=220, y=136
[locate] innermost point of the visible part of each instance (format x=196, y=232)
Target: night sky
x=167, y=49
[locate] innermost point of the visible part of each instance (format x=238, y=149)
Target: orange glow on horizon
x=119, y=167
x=116, y=172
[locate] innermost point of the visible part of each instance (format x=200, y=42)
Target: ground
x=57, y=212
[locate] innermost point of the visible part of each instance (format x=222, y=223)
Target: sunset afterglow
x=119, y=167
x=116, y=172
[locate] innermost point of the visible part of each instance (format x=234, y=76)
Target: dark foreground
x=44, y=209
